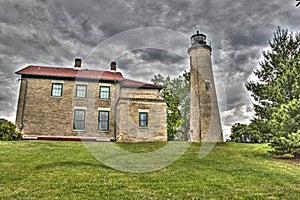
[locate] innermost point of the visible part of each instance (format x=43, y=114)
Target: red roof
x=69, y=73
x=137, y=84
x=82, y=73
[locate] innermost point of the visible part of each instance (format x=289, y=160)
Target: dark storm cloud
x=143, y=64
x=156, y=55
x=55, y=32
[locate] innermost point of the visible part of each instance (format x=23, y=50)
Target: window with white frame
x=79, y=119
x=143, y=119
x=103, y=120
x=104, y=92
x=81, y=91
x=56, y=90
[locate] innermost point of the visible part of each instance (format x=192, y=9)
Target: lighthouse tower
x=205, y=121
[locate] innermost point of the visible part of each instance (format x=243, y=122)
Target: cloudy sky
x=145, y=37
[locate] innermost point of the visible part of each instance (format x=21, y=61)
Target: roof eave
x=142, y=86
x=67, y=77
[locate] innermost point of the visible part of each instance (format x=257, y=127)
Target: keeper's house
x=75, y=103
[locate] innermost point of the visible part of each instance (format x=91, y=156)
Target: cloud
x=54, y=32
x=143, y=64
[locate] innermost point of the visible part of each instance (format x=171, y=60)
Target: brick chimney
x=113, y=66
x=78, y=62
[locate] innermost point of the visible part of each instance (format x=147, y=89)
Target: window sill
x=80, y=98
x=78, y=130
x=143, y=127
x=56, y=97
x=103, y=131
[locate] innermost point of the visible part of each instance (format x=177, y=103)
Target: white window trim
x=105, y=84
x=56, y=81
x=103, y=109
x=143, y=110
x=81, y=83
x=79, y=108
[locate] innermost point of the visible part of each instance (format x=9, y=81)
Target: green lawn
x=66, y=170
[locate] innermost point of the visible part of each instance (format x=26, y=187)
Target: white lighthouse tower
x=205, y=121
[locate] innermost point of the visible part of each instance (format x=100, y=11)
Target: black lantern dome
x=199, y=39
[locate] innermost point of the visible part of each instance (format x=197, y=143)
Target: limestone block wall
x=127, y=92
x=47, y=115
x=204, y=116
x=128, y=120
x=43, y=114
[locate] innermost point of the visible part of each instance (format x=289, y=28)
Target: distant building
x=76, y=103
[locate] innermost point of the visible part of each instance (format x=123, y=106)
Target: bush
x=8, y=131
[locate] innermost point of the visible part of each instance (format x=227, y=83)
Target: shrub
x=8, y=131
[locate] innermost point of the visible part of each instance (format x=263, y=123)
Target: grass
x=66, y=170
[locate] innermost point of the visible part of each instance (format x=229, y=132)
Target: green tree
x=278, y=84
x=285, y=122
x=245, y=133
x=8, y=131
x=176, y=92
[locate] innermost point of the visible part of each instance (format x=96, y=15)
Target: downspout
x=24, y=102
x=115, y=111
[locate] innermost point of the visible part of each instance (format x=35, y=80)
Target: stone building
x=205, y=123
x=75, y=104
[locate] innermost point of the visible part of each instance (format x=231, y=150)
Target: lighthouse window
x=207, y=86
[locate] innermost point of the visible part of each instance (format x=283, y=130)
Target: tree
x=176, y=93
x=278, y=85
x=285, y=121
x=245, y=133
x=8, y=131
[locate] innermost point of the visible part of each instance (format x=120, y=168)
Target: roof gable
x=137, y=84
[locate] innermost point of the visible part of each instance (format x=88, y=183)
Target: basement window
x=56, y=90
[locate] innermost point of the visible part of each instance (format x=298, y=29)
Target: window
x=207, y=85
x=104, y=92
x=79, y=120
x=103, y=121
x=143, y=119
x=56, y=90
x=81, y=91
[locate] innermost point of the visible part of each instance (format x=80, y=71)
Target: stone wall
x=204, y=116
x=128, y=92
x=45, y=115
x=128, y=120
